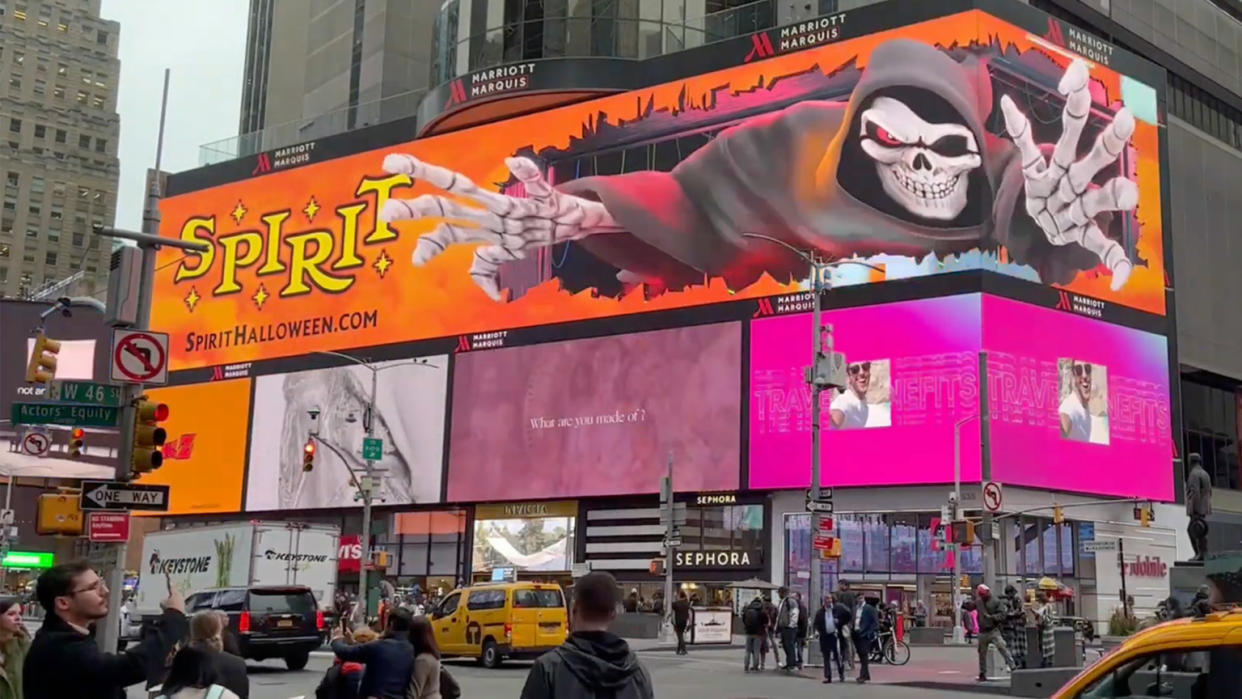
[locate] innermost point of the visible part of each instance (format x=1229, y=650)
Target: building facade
x=58, y=87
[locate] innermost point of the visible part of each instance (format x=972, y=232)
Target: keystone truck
x=244, y=555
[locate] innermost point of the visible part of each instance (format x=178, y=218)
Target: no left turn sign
x=992, y=497
x=36, y=443
x=139, y=356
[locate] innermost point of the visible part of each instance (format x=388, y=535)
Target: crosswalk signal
x=149, y=437
x=77, y=439
x=308, y=456
x=42, y=366
x=1143, y=513
x=1058, y=517
x=657, y=566
x=962, y=533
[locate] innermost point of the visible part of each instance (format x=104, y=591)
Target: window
x=86, y=77
x=37, y=183
x=41, y=66
x=449, y=605
x=78, y=240
x=62, y=69
x=12, y=179
x=101, y=37
x=15, y=125
x=40, y=131
x=61, y=137
x=1182, y=674
x=84, y=141
x=15, y=82
x=35, y=212
x=544, y=599
x=4, y=250
x=40, y=87
x=82, y=97
x=19, y=57
x=10, y=205
x=83, y=192
x=282, y=603
x=57, y=215
x=58, y=92
x=97, y=102
x=486, y=599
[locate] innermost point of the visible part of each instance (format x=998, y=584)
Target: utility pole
x=985, y=462
x=366, y=487
x=149, y=242
x=821, y=351
x=670, y=536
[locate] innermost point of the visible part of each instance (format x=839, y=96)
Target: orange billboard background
x=205, y=455
x=316, y=271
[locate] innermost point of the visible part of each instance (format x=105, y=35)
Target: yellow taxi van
x=495, y=621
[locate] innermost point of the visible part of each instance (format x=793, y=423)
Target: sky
x=203, y=43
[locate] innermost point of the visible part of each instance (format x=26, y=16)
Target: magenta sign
x=1077, y=404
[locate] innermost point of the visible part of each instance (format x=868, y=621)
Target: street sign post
x=822, y=542
x=116, y=495
x=36, y=443
x=84, y=392
x=139, y=356
x=1099, y=546
x=72, y=415
x=108, y=526
x=993, y=498
x=372, y=448
x=673, y=542
x=821, y=507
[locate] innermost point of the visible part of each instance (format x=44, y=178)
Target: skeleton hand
x=1059, y=194
x=507, y=226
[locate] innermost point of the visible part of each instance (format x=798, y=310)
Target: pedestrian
x=829, y=646
x=681, y=620
x=753, y=624
x=804, y=621
x=1015, y=626
x=1046, y=621
x=593, y=662
x=992, y=612
x=772, y=639
x=14, y=644
x=64, y=660
x=344, y=679
x=970, y=620
x=425, y=679
x=207, y=634
x=193, y=676
x=865, y=635
x=787, y=626
x=388, y=660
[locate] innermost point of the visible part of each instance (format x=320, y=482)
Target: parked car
x=494, y=621
x=268, y=621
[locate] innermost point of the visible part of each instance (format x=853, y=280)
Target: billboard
x=961, y=142
x=331, y=403
x=598, y=416
x=1076, y=404
x=85, y=343
x=205, y=451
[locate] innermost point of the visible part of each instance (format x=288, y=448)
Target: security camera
x=314, y=413
x=952, y=496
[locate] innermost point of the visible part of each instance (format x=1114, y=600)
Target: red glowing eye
x=886, y=138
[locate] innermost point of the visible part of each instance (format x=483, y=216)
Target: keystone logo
x=760, y=47
x=274, y=555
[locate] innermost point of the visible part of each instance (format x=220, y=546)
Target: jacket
x=868, y=622
x=388, y=661
x=753, y=618
x=425, y=680
x=992, y=613
x=64, y=662
x=589, y=664
x=681, y=613
x=11, y=674
x=844, y=616
x=341, y=681
x=821, y=623
x=231, y=672
x=803, y=620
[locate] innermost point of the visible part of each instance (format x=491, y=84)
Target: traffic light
x=657, y=566
x=962, y=533
x=42, y=366
x=379, y=560
x=308, y=456
x=1058, y=516
x=1143, y=513
x=76, y=440
x=148, y=435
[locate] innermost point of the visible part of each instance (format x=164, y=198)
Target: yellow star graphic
x=238, y=212
x=260, y=297
x=312, y=208
x=383, y=263
x=192, y=299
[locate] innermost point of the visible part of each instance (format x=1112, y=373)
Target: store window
x=429, y=549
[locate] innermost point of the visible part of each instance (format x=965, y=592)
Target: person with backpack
x=829, y=645
x=754, y=623
x=804, y=621
x=772, y=639
x=787, y=626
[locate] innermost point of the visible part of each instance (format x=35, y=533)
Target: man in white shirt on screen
x=1075, y=418
x=849, y=410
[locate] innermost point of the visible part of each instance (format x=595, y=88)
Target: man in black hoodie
x=592, y=662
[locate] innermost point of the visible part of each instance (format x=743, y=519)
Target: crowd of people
x=196, y=657
x=1002, y=622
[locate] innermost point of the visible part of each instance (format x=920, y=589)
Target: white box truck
x=259, y=573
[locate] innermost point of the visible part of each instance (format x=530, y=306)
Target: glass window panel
x=1049, y=537
x=746, y=524
x=903, y=553
x=875, y=530
x=797, y=550
x=413, y=558
x=931, y=557
x=851, y=533
x=444, y=559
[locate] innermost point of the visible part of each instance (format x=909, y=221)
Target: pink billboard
x=598, y=416
x=913, y=375
x=1076, y=404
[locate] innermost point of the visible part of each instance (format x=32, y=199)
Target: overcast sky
x=203, y=43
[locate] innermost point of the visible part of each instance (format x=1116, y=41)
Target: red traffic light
x=161, y=412
x=309, y=448
x=78, y=433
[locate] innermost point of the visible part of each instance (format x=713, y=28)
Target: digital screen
x=900, y=148
x=599, y=416
x=332, y=404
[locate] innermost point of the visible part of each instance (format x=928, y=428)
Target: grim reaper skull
x=924, y=167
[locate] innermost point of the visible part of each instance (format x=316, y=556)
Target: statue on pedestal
x=1198, y=505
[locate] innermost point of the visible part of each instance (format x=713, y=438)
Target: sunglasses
x=1082, y=370
x=854, y=369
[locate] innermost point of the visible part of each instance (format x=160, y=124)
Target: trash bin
x=1065, y=647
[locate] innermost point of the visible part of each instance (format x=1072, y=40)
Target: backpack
x=752, y=618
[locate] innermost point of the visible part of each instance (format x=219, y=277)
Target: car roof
x=519, y=584
x=1213, y=626
x=258, y=588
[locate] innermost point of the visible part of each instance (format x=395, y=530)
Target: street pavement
x=714, y=673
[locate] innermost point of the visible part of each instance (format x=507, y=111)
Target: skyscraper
x=58, y=144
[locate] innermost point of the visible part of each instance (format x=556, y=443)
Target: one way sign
x=115, y=495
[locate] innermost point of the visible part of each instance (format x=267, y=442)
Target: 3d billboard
x=957, y=143
x=1075, y=404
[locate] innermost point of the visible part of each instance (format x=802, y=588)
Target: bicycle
x=889, y=649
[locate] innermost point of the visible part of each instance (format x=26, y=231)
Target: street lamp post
x=958, y=631
x=366, y=484
x=821, y=352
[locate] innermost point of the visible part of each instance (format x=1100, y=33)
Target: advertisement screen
x=205, y=448
x=921, y=150
x=913, y=373
x=84, y=344
x=598, y=416
x=532, y=543
x=1076, y=404
x=331, y=404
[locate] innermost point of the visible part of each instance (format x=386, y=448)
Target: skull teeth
x=926, y=190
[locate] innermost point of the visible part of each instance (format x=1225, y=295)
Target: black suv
x=277, y=621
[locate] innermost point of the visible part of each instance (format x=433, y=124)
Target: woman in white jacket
x=425, y=680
